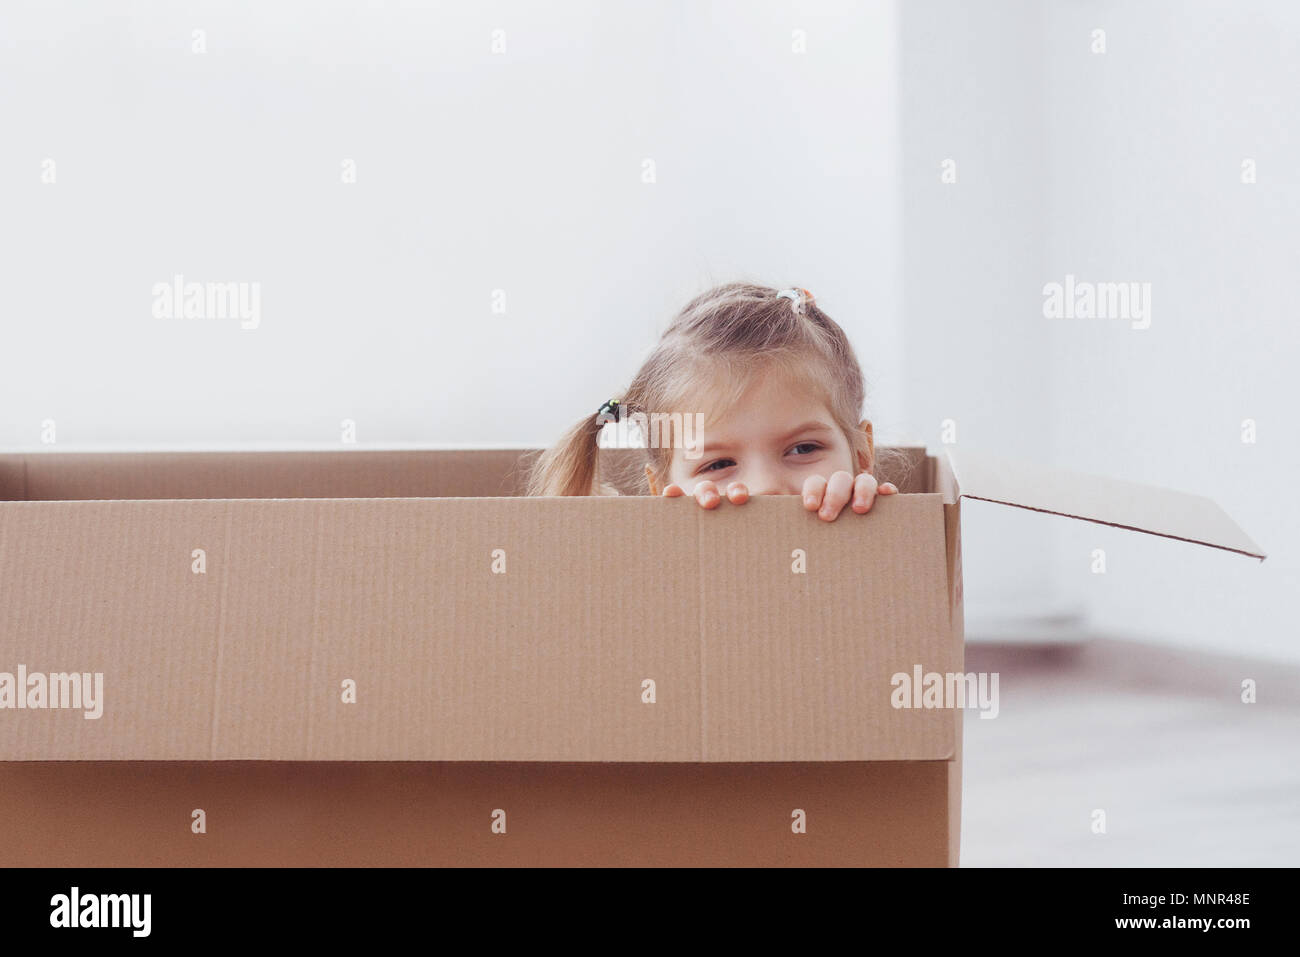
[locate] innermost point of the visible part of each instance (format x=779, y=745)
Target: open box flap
x=1098, y=498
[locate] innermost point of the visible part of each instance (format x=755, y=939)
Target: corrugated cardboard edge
x=944, y=482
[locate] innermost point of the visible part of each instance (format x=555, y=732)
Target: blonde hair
x=726, y=336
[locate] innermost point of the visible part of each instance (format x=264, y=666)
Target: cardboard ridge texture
x=383, y=657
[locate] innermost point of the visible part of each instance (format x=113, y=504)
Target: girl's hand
x=707, y=494
x=826, y=497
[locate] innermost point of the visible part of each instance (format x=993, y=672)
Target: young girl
x=780, y=392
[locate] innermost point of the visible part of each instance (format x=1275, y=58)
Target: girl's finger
x=737, y=493
x=838, y=490
x=864, y=492
x=814, y=487
x=673, y=491
x=889, y=488
x=706, y=493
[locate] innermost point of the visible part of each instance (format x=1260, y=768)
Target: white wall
x=1120, y=166
x=1144, y=148
x=475, y=171
x=975, y=350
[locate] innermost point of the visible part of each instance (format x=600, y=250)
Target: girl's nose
x=768, y=484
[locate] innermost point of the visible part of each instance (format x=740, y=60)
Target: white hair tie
x=793, y=294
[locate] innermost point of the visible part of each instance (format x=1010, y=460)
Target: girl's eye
x=713, y=466
x=810, y=447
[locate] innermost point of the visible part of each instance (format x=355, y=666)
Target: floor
x=1157, y=738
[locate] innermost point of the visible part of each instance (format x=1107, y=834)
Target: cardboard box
x=501, y=649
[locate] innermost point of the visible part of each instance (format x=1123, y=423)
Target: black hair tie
x=611, y=411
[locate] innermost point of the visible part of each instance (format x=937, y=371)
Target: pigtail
x=569, y=467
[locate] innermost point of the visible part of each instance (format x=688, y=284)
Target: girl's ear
x=867, y=457
x=650, y=477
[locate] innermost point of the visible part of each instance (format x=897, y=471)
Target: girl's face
x=772, y=440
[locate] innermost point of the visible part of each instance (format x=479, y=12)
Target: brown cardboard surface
x=751, y=661
x=1098, y=498
x=129, y=814
x=13, y=478
x=360, y=473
